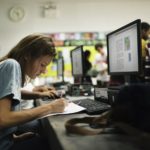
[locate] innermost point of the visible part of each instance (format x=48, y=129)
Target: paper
x=71, y=108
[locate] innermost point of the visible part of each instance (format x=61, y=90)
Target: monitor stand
x=78, y=80
x=127, y=79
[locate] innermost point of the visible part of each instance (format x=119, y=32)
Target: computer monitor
x=60, y=68
x=124, y=50
x=77, y=60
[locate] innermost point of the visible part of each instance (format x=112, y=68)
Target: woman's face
x=38, y=66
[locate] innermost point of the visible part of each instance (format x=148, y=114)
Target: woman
x=28, y=59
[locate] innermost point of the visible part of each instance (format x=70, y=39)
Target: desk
x=59, y=140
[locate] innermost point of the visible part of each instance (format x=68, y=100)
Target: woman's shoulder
x=9, y=62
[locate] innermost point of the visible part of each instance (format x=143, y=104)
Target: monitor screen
x=60, y=67
x=77, y=61
x=124, y=49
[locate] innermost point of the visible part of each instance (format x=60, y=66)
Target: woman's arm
x=10, y=118
x=43, y=88
x=37, y=94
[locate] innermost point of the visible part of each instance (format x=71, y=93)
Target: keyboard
x=93, y=107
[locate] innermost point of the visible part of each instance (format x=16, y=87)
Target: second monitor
x=78, y=72
x=78, y=66
x=77, y=61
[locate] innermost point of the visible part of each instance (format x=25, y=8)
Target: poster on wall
x=78, y=38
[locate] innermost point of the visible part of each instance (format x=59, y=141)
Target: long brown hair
x=33, y=46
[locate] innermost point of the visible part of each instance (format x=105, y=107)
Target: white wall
x=74, y=16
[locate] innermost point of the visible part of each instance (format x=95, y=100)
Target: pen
x=78, y=103
x=61, y=94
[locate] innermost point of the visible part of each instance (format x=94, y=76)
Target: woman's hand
x=58, y=105
x=45, y=91
x=50, y=94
